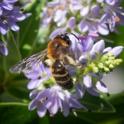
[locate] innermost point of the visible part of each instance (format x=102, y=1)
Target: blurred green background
x=14, y=94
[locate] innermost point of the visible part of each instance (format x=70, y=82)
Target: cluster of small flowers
x=95, y=61
x=83, y=16
x=87, y=20
x=10, y=14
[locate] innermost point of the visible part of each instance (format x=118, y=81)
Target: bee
x=56, y=55
x=61, y=75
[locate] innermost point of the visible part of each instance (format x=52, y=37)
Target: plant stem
x=13, y=104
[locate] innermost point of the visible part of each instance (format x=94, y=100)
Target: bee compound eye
x=67, y=39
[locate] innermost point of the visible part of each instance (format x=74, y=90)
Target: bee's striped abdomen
x=61, y=75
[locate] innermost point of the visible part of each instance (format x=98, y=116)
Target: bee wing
x=26, y=65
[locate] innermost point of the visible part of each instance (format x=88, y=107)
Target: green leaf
x=18, y=88
x=105, y=117
x=30, y=27
x=17, y=112
x=97, y=104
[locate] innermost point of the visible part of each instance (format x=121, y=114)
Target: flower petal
x=106, y=50
x=98, y=48
x=117, y=50
x=57, y=32
x=3, y=49
x=65, y=108
x=32, y=105
x=102, y=29
x=87, y=81
x=93, y=91
x=54, y=106
x=41, y=111
x=75, y=104
x=15, y=27
x=3, y=29
x=101, y=87
x=34, y=83
x=80, y=91
x=71, y=23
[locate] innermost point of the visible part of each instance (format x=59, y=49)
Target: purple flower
x=9, y=16
x=38, y=76
x=47, y=95
x=82, y=89
x=86, y=53
x=52, y=13
x=90, y=61
x=71, y=23
x=7, y=5
x=91, y=50
x=93, y=88
x=3, y=49
x=88, y=16
x=116, y=50
x=54, y=99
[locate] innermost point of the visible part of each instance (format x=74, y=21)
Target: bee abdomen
x=64, y=80
x=61, y=75
x=68, y=84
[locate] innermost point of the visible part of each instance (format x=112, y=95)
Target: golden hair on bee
x=58, y=46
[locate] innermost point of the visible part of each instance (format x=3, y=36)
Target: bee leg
x=69, y=60
x=48, y=62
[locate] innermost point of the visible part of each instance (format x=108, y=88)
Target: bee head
x=61, y=41
x=66, y=38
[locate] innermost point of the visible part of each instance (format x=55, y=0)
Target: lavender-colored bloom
x=101, y=87
x=9, y=1
x=47, y=95
x=86, y=52
x=3, y=49
x=57, y=32
x=87, y=84
x=113, y=15
x=7, y=5
x=8, y=20
x=82, y=89
x=38, y=76
x=54, y=99
x=9, y=16
x=71, y=23
x=88, y=16
x=87, y=74
x=116, y=50
x=93, y=50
